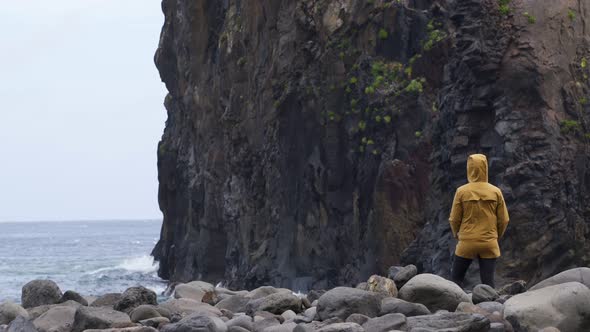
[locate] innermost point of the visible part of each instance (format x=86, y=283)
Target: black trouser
x=487, y=267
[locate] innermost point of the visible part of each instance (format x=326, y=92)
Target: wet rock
x=9, y=311
x=73, y=296
x=342, y=302
x=382, y=285
x=483, y=293
x=565, y=306
x=513, y=288
x=134, y=297
x=56, y=319
x=143, y=312
x=21, y=324
x=434, y=292
x=98, y=318
x=385, y=323
x=581, y=275
x=107, y=300
x=185, y=307
x=451, y=322
x=392, y=305
x=196, y=323
x=40, y=292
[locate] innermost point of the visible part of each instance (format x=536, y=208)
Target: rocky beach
x=402, y=301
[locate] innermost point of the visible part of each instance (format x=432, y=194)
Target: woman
x=478, y=218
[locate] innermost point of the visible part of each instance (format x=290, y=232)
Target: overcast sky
x=81, y=109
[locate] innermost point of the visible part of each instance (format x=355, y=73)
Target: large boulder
x=73, y=296
x=202, y=286
x=40, y=292
x=187, y=307
x=276, y=303
x=434, y=292
x=56, y=319
x=9, y=311
x=564, y=306
x=264, y=291
x=107, y=300
x=98, y=318
x=196, y=323
x=581, y=275
x=21, y=324
x=484, y=293
x=341, y=302
x=393, y=305
x=386, y=323
x=449, y=322
x=382, y=285
x=134, y=297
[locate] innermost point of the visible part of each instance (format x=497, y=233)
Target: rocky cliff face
x=312, y=143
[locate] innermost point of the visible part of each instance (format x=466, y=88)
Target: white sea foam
x=143, y=264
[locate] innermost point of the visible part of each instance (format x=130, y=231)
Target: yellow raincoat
x=479, y=215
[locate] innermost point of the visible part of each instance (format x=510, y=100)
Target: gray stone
x=40, y=292
x=236, y=303
x=497, y=327
x=261, y=325
x=392, y=305
x=9, y=311
x=205, y=287
x=155, y=322
x=342, y=302
x=196, y=323
x=513, y=288
x=242, y=321
x=492, y=306
x=286, y=327
x=21, y=324
x=434, y=292
x=449, y=322
x=311, y=312
x=405, y=274
x=143, y=312
x=98, y=318
x=386, y=323
x=36, y=312
x=276, y=303
x=564, y=306
x=342, y=327
x=185, y=291
x=56, y=319
x=289, y=314
x=581, y=275
x=484, y=293
x=73, y=296
x=133, y=297
x=261, y=292
x=186, y=307
x=357, y=318
x=237, y=329
x=107, y=300
x=125, y=329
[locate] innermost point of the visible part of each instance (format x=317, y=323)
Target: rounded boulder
x=342, y=302
x=40, y=292
x=435, y=292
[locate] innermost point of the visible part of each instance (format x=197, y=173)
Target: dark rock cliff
x=312, y=143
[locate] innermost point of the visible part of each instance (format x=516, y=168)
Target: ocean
x=89, y=257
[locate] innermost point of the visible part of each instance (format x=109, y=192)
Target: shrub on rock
x=435, y=292
x=382, y=285
x=564, y=306
x=40, y=292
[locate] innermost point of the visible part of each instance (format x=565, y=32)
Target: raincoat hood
x=477, y=168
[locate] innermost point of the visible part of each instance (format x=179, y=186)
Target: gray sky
x=81, y=109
